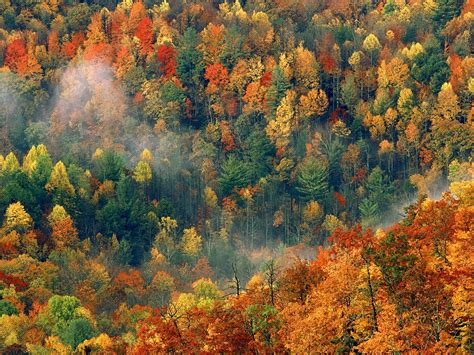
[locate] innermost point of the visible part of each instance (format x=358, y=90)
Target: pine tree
x=233, y=175
x=312, y=180
x=276, y=91
x=59, y=180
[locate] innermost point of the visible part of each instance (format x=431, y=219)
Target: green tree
x=430, y=67
x=76, y=332
x=62, y=310
x=312, y=180
x=189, y=60
x=7, y=308
x=379, y=188
x=444, y=11
x=234, y=174
x=109, y=166
x=276, y=92
x=369, y=211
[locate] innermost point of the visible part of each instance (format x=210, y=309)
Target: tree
x=63, y=310
x=7, y=308
x=189, y=60
x=279, y=129
x=59, y=180
x=160, y=289
x=167, y=58
x=145, y=34
x=16, y=218
x=430, y=67
x=372, y=45
x=142, y=172
x=233, y=175
x=191, y=242
x=77, y=331
x=276, y=91
x=109, y=165
x=314, y=103
x=312, y=180
x=306, y=69
x=10, y=164
x=444, y=11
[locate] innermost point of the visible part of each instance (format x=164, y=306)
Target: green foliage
x=109, y=166
x=76, y=332
x=430, y=67
x=379, y=189
x=234, y=174
x=312, y=180
x=189, y=64
x=276, y=92
x=444, y=11
x=369, y=211
x=7, y=308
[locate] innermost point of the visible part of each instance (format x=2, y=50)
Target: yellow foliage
x=10, y=164
x=280, y=129
x=314, y=103
x=59, y=179
x=57, y=214
x=210, y=198
x=17, y=217
x=142, y=172
x=312, y=212
x=191, y=242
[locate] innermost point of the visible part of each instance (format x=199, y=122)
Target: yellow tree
x=314, y=103
x=16, y=218
x=142, y=172
x=59, y=180
x=10, y=163
x=279, y=130
x=191, y=242
x=306, y=68
x=372, y=45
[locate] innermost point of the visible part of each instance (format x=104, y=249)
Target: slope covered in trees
x=169, y=171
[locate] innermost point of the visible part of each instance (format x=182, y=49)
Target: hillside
x=231, y=177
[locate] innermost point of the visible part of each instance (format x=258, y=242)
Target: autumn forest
x=262, y=176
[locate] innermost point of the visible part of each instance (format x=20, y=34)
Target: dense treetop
x=167, y=168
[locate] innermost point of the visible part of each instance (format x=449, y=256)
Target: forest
x=253, y=176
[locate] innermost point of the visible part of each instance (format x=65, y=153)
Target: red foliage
x=133, y=279
x=16, y=55
x=167, y=58
x=337, y=115
x=327, y=62
x=19, y=284
x=340, y=198
x=456, y=71
x=266, y=79
x=138, y=98
x=69, y=49
x=53, y=42
x=145, y=34
x=359, y=175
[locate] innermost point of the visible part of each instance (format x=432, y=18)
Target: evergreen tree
x=276, y=92
x=234, y=174
x=312, y=180
x=189, y=64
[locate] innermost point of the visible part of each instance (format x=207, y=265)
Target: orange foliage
x=227, y=138
x=145, y=34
